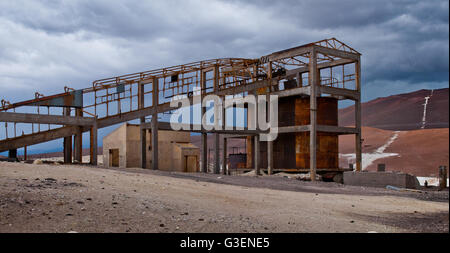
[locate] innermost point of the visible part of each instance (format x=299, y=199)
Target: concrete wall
x=115, y=140
x=380, y=179
x=166, y=141
x=181, y=152
x=172, y=148
x=134, y=146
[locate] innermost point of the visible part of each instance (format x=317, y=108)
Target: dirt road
x=63, y=198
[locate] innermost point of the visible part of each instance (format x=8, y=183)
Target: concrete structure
x=121, y=148
x=325, y=68
x=381, y=179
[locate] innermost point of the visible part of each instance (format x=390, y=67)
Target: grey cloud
x=48, y=44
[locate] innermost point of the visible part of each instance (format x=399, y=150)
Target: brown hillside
x=402, y=112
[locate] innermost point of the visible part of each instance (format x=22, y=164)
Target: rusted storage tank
x=291, y=150
x=327, y=143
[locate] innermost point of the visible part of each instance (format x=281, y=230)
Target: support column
x=143, y=136
x=224, y=150
x=78, y=139
x=67, y=142
x=252, y=123
x=269, y=143
x=257, y=155
x=204, y=155
x=204, y=152
x=250, y=143
x=25, y=153
x=270, y=157
x=224, y=157
x=155, y=100
x=313, y=113
x=299, y=80
x=442, y=177
x=94, y=145
x=216, y=78
x=143, y=133
x=358, y=140
x=216, y=153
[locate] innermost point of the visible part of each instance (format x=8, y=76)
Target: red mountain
x=402, y=111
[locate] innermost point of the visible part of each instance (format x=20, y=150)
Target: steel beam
x=45, y=119
x=336, y=52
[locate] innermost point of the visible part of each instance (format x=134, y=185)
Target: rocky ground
x=64, y=198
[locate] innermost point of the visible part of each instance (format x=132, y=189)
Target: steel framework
x=324, y=67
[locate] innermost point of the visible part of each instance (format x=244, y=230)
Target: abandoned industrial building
x=309, y=80
x=120, y=146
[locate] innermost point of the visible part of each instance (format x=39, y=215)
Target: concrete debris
x=252, y=173
x=38, y=161
x=299, y=176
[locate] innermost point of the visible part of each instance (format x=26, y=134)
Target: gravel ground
x=63, y=198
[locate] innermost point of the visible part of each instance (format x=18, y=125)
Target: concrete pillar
x=256, y=160
x=224, y=157
x=217, y=124
x=270, y=157
x=216, y=78
x=143, y=133
x=94, y=143
x=269, y=143
x=216, y=153
x=204, y=155
x=358, y=139
x=252, y=120
x=154, y=143
x=78, y=139
x=250, y=151
x=299, y=79
x=442, y=177
x=143, y=149
x=204, y=152
x=155, y=125
x=313, y=113
x=67, y=142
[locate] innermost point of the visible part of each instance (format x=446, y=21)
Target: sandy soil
x=63, y=198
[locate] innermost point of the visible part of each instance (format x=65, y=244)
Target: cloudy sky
x=46, y=45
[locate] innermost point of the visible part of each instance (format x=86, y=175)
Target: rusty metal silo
x=327, y=143
x=291, y=150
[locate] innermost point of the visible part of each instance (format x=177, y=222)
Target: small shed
x=122, y=148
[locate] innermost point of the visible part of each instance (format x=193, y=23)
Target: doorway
x=191, y=164
x=114, y=157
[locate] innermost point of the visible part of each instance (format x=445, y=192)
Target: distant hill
x=403, y=111
x=86, y=151
x=419, y=152
x=392, y=134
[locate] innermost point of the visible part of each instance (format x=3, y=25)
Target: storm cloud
x=46, y=45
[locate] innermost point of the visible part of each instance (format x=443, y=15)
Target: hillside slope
x=419, y=152
x=403, y=111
